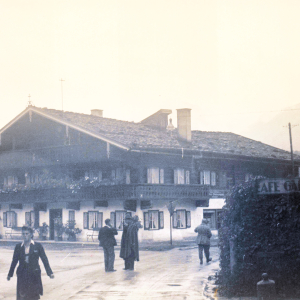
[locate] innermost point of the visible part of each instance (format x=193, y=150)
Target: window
x=181, y=219
x=117, y=218
x=187, y=177
x=10, y=219
x=92, y=219
x=30, y=218
x=153, y=220
x=10, y=181
x=208, y=178
x=155, y=175
x=179, y=176
x=213, y=217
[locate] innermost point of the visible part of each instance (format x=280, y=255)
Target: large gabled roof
x=137, y=136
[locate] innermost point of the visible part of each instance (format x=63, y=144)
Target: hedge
x=265, y=231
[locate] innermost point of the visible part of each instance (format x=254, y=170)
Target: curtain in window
x=161, y=176
x=179, y=219
x=188, y=219
x=153, y=175
x=146, y=220
x=213, y=178
x=99, y=220
x=187, y=177
x=4, y=219
x=85, y=220
x=179, y=176
x=92, y=219
x=11, y=219
x=120, y=215
x=153, y=219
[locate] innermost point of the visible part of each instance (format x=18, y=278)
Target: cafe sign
x=278, y=186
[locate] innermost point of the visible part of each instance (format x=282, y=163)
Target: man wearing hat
x=108, y=241
x=127, y=221
x=203, y=240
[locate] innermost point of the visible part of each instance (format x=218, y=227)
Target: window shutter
x=201, y=178
x=128, y=176
x=27, y=218
x=85, y=220
x=161, y=220
x=4, y=219
x=188, y=219
x=113, y=219
x=14, y=219
x=32, y=218
x=175, y=219
x=175, y=176
x=100, y=220
x=161, y=176
x=146, y=220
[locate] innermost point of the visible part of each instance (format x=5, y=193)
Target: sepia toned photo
x=150, y=150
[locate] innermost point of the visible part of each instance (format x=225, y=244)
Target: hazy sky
x=132, y=58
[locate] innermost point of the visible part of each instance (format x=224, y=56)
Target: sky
x=234, y=63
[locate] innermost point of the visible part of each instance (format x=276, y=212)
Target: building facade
x=80, y=169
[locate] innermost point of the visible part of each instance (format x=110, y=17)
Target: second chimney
x=97, y=112
x=184, y=124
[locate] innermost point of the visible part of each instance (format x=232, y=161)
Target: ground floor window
x=9, y=219
x=92, y=220
x=213, y=217
x=153, y=220
x=30, y=218
x=117, y=218
x=182, y=218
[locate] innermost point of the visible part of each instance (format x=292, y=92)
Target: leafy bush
x=265, y=231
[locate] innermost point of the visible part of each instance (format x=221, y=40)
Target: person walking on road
x=131, y=244
x=108, y=241
x=203, y=240
x=27, y=254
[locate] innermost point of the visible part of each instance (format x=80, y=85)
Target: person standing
x=203, y=240
x=131, y=252
x=128, y=219
x=27, y=254
x=108, y=241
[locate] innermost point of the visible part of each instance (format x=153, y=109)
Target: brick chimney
x=184, y=124
x=97, y=112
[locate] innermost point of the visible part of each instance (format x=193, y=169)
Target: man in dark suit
x=108, y=241
x=27, y=254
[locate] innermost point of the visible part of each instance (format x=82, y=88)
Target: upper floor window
x=155, y=175
x=181, y=219
x=181, y=176
x=153, y=220
x=10, y=181
x=208, y=178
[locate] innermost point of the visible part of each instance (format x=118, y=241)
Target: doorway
x=53, y=214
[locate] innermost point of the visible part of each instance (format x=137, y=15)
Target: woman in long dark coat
x=27, y=254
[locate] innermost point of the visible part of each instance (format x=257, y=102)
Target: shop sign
x=278, y=186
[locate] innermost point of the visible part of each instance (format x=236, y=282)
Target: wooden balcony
x=109, y=192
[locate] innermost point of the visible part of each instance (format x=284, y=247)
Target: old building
x=68, y=166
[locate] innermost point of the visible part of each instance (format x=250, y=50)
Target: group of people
x=129, y=242
x=27, y=254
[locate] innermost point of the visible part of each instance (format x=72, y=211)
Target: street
x=79, y=274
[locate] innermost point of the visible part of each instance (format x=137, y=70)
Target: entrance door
x=53, y=214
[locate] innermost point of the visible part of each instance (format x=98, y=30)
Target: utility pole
x=62, y=98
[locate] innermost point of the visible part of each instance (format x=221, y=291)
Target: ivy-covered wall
x=265, y=233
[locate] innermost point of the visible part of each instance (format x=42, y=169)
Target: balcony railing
x=109, y=192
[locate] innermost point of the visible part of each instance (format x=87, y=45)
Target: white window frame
x=179, y=176
x=155, y=175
